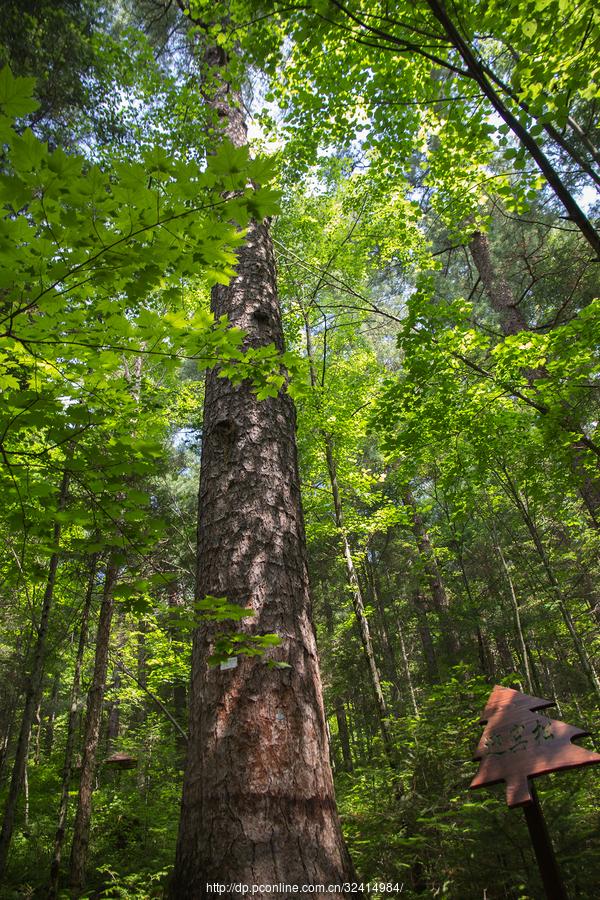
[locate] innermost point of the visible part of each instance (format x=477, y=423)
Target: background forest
x=430, y=177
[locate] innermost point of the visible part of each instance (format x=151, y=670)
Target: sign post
x=544, y=851
x=517, y=744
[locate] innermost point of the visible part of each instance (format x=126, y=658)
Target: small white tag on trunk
x=230, y=663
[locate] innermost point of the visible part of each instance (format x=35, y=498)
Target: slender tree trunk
x=504, y=653
x=588, y=477
x=142, y=671
x=512, y=322
x=406, y=666
x=351, y=575
x=486, y=663
x=535, y=675
x=571, y=206
x=356, y=743
x=590, y=590
x=343, y=734
x=8, y=719
x=332, y=761
x=359, y=608
x=589, y=145
x=33, y=691
x=518, y=623
x=81, y=828
x=403, y=652
x=71, y=732
x=156, y=700
x=439, y=594
x=180, y=699
x=486, y=658
x=37, y=728
x=113, y=725
x=499, y=292
x=26, y=797
x=7, y=724
x=547, y=684
x=429, y=654
x=592, y=598
x=339, y=705
x=389, y=656
x=574, y=687
x=51, y=716
x=258, y=802
x=579, y=645
x=551, y=681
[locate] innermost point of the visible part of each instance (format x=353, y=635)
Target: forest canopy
x=299, y=450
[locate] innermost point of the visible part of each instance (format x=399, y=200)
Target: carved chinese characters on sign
x=519, y=743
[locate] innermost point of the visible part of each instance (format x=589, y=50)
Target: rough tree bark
x=258, y=802
x=498, y=290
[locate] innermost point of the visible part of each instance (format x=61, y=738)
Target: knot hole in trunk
x=225, y=433
x=260, y=317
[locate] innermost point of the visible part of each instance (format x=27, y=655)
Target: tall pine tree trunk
x=258, y=803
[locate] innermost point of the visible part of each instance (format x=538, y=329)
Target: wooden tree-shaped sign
x=519, y=743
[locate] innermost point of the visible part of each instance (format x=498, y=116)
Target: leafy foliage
x=449, y=463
